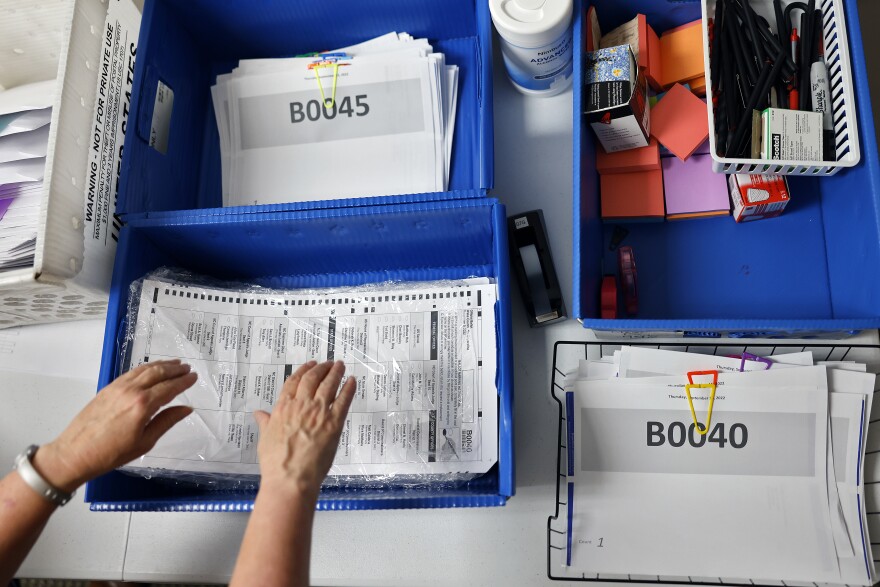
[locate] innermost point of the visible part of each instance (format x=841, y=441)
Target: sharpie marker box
x=615, y=101
x=756, y=197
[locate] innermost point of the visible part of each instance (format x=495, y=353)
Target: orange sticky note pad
x=630, y=160
x=698, y=85
x=593, y=31
x=633, y=196
x=681, y=53
x=644, y=46
x=654, y=74
x=680, y=121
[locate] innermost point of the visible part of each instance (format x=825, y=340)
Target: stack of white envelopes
x=372, y=119
x=25, y=112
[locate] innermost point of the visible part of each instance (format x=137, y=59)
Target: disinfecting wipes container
x=536, y=43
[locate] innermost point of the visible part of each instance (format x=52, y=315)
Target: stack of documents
x=423, y=356
x=25, y=112
x=371, y=119
x=773, y=491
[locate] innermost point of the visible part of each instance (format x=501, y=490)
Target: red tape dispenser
x=626, y=264
x=608, y=298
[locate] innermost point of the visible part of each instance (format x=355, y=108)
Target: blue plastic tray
x=813, y=270
x=171, y=203
x=321, y=248
x=186, y=44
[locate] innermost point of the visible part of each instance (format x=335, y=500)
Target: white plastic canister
x=536, y=43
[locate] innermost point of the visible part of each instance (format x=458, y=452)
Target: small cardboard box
x=756, y=197
x=790, y=135
x=615, y=99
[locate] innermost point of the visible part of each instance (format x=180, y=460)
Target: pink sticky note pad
x=692, y=189
x=680, y=122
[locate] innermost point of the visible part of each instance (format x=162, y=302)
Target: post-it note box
x=632, y=196
x=655, y=60
x=629, y=161
x=615, y=102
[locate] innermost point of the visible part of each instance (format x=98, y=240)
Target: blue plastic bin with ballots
x=171, y=205
x=812, y=271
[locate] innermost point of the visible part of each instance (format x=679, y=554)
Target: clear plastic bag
x=423, y=355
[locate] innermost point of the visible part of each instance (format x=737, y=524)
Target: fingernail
x=340, y=364
x=312, y=363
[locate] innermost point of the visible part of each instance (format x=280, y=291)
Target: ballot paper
x=424, y=359
x=847, y=401
x=372, y=119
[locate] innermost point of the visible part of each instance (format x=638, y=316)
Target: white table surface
x=485, y=546
x=76, y=544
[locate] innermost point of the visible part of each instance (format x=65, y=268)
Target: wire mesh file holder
x=566, y=355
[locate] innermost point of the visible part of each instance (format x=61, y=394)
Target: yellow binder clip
x=702, y=430
x=328, y=61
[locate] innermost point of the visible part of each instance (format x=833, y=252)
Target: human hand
x=119, y=425
x=298, y=441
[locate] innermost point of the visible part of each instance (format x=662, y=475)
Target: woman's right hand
x=298, y=440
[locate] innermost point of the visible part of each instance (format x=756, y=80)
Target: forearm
x=278, y=541
x=23, y=515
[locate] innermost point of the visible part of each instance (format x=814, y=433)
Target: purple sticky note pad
x=703, y=149
x=692, y=189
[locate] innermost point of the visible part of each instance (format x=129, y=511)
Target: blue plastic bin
x=812, y=271
x=171, y=205
x=186, y=44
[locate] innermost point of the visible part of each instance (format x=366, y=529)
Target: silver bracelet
x=35, y=481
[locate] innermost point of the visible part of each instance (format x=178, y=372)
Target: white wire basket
x=846, y=137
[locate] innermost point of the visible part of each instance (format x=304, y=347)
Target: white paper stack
x=25, y=112
x=774, y=491
x=371, y=119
